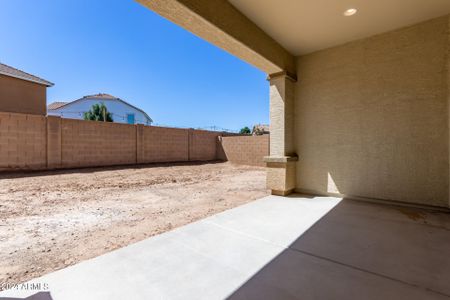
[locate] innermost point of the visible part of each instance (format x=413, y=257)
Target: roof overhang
x=9, y=71
x=47, y=83
x=220, y=23
x=270, y=34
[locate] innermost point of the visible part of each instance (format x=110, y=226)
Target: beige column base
x=281, y=174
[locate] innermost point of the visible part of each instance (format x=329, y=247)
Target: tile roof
x=100, y=96
x=56, y=105
x=13, y=72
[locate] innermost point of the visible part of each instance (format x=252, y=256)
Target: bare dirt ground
x=50, y=220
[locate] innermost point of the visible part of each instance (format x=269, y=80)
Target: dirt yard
x=50, y=220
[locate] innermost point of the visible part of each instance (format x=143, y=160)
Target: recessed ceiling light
x=350, y=12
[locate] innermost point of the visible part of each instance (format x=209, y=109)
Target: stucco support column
x=282, y=160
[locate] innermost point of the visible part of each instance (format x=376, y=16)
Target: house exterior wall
x=371, y=117
x=21, y=96
x=119, y=110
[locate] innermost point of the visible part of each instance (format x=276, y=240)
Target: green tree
x=98, y=112
x=245, y=130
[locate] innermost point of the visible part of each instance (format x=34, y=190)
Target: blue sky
x=124, y=49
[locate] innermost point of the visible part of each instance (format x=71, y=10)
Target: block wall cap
x=286, y=74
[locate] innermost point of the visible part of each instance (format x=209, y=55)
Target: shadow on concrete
x=38, y=296
x=361, y=250
x=35, y=173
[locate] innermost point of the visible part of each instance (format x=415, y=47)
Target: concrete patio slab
x=280, y=222
x=294, y=275
x=407, y=244
x=276, y=247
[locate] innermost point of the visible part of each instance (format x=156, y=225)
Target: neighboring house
x=122, y=111
x=21, y=92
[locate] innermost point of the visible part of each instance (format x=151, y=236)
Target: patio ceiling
x=304, y=26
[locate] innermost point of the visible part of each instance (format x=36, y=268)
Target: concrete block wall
x=23, y=142
x=162, y=144
x=38, y=142
x=54, y=142
x=90, y=143
x=246, y=150
x=202, y=145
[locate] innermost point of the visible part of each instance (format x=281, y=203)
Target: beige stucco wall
x=371, y=117
x=20, y=96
